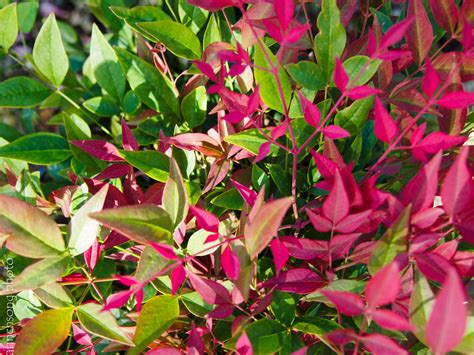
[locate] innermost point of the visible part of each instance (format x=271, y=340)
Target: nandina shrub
x=213, y=176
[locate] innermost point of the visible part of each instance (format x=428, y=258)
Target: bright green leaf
x=49, y=54
x=152, y=163
x=54, y=295
x=194, y=107
x=250, y=139
x=266, y=336
x=421, y=304
x=307, y=74
x=102, y=106
x=195, y=304
x=354, y=66
x=27, y=12
x=22, y=92
x=9, y=26
x=353, y=117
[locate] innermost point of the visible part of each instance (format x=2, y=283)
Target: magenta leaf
x=379, y=344
x=384, y=286
x=353, y=221
x=347, y=303
x=335, y=132
x=243, y=345
x=385, y=127
x=280, y=253
x=447, y=322
x=164, y=250
x=445, y=14
x=205, y=220
x=391, y=320
x=248, y=195
x=99, y=149
x=284, y=11
x=113, y=171
x=431, y=79
x=195, y=344
x=128, y=139
x=117, y=300
x=178, y=275
x=310, y=111
x=457, y=99
x=336, y=205
x=230, y=263
x=395, y=33
x=320, y=223
x=360, y=92
x=212, y=292
x=341, y=79
x=213, y=5
x=263, y=151
x=301, y=281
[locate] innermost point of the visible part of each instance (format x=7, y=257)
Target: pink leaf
x=128, y=139
x=205, y=220
x=113, y=171
x=432, y=265
x=395, y=33
x=301, y=281
x=379, y=344
x=359, y=92
x=447, y=322
x=99, y=149
x=284, y=10
x=340, y=76
x=211, y=291
x=305, y=249
x=178, y=275
x=80, y=336
x=445, y=13
x=457, y=99
x=213, y=5
x=347, y=303
x=222, y=311
x=117, y=300
x=230, y=263
x=280, y=130
x=164, y=250
x=195, y=345
x=280, y=254
x=352, y=222
x=457, y=189
x=248, y=195
x=385, y=127
x=431, y=79
x=92, y=255
x=243, y=345
x=296, y=33
x=335, y=132
x=310, y=111
x=336, y=205
x=384, y=286
x=391, y=320
x=263, y=151
x=319, y=223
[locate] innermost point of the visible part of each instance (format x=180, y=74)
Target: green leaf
x=9, y=26
x=283, y=307
x=153, y=88
x=27, y=12
x=82, y=230
x=105, y=65
x=45, y=333
x=307, y=74
x=31, y=232
x=150, y=261
x=152, y=163
x=467, y=343
x=196, y=305
x=178, y=38
x=141, y=223
x=269, y=91
x=175, y=197
x=194, y=107
x=22, y=92
x=230, y=199
x=330, y=42
x=266, y=336
x=54, y=295
x=38, y=148
x=192, y=16
x=421, y=304
x=315, y=326
x=354, y=66
x=156, y=316
x=393, y=242
x=139, y=14
x=353, y=117
x=101, y=323
x=39, y=274
x=49, y=54
x=102, y=106
x=250, y=139
x=213, y=32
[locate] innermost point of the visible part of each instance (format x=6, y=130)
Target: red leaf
x=385, y=127
x=230, y=263
x=395, y=33
x=195, y=344
x=301, y=281
x=391, y=320
x=347, y=303
x=430, y=80
x=352, y=222
x=113, y=171
x=379, y=344
x=420, y=34
x=310, y=111
x=128, y=139
x=336, y=205
x=421, y=189
x=445, y=13
x=164, y=250
x=243, y=345
x=178, y=275
x=335, y=132
x=319, y=223
x=99, y=149
x=359, y=92
x=341, y=336
x=384, y=286
x=284, y=10
x=280, y=254
x=213, y=5
x=296, y=33
x=432, y=265
x=205, y=220
x=447, y=322
x=457, y=190
x=305, y=249
x=211, y=291
x=457, y=99
x=340, y=76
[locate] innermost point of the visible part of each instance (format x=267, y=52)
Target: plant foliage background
x=258, y=177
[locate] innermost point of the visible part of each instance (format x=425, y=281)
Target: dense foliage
x=257, y=176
